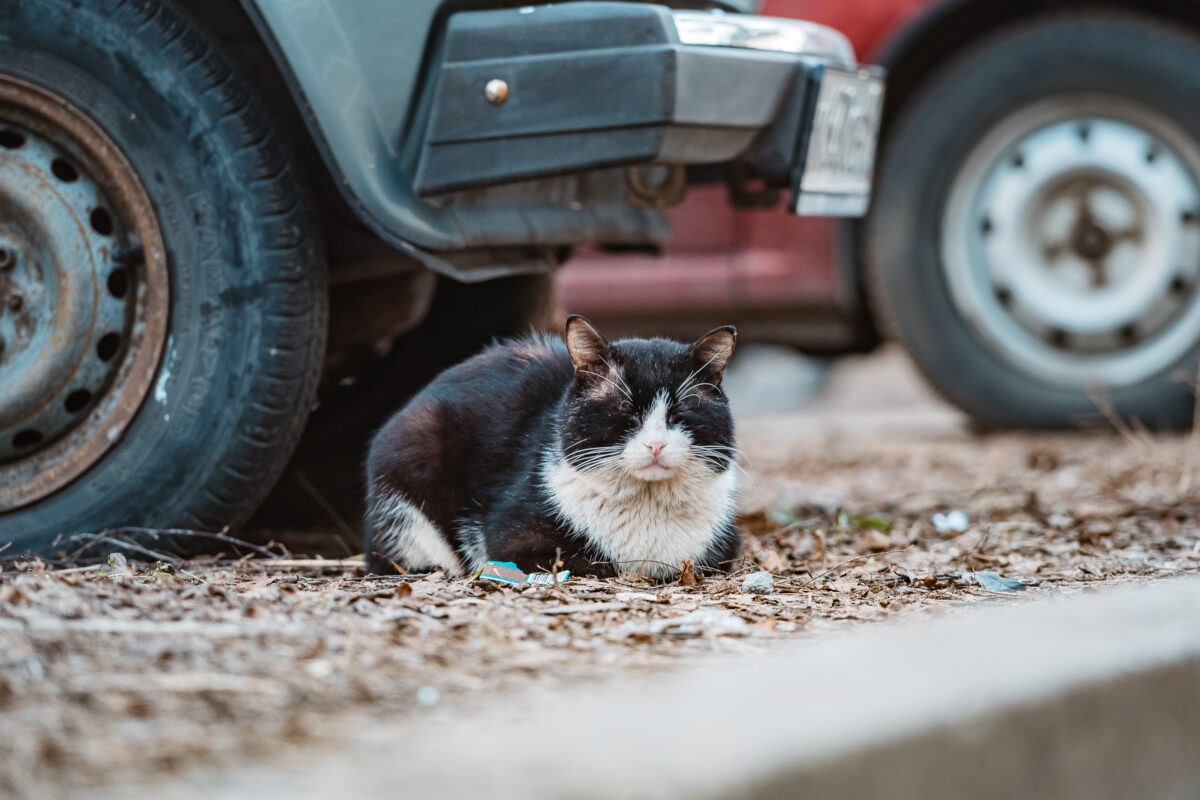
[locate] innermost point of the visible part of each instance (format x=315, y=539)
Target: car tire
x=1034, y=239
x=216, y=320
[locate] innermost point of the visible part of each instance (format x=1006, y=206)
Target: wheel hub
x=1068, y=241
x=1091, y=242
x=82, y=293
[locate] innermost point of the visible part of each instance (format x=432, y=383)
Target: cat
x=613, y=458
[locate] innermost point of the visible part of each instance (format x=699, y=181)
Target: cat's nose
x=655, y=448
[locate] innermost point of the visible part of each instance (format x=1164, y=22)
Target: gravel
x=758, y=583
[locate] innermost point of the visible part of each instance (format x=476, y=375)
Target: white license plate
x=840, y=163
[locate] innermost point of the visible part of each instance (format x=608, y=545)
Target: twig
x=860, y=557
x=102, y=537
x=329, y=510
x=310, y=563
x=72, y=570
x=1137, y=437
x=986, y=532
x=109, y=534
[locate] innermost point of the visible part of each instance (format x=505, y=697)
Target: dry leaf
x=771, y=561
x=819, y=548
x=876, y=541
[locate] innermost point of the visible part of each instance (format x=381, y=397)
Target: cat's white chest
x=644, y=526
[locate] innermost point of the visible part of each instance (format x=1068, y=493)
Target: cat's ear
x=712, y=351
x=589, y=350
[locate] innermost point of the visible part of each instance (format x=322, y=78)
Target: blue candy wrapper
x=508, y=572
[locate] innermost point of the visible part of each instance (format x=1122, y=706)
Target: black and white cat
x=620, y=455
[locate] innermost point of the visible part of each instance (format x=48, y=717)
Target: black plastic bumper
x=549, y=90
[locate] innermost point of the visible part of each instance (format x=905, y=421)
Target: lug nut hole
x=118, y=283
x=64, y=171
x=102, y=221
x=108, y=345
x=77, y=401
x=11, y=139
x=27, y=438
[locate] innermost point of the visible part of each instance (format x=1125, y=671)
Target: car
x=217, y=215
x=1034, y=233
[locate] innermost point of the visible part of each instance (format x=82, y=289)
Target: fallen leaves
x=241, y=655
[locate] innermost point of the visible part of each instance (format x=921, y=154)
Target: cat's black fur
x=471, y=453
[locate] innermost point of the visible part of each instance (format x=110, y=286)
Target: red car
x=1034, y=237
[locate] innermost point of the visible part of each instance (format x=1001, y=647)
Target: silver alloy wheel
x=1071, y=240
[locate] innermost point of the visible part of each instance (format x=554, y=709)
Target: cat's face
x=648, y=409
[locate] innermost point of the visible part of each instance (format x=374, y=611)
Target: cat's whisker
x=723, y=448
x=599, y=458
x=595, y=468
x=722, y=452
x=685, y=386
x=619, y=382
x=692, y=391
x=596, y=459
x=623, y=386
x=610, y=382
x=588, y=463
x=577, y=449
x=588, y=455
x=598, y=449
x=742, y=470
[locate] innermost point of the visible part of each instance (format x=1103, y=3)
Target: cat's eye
x=676, y=414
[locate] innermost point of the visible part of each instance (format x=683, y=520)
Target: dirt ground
x=136, y=670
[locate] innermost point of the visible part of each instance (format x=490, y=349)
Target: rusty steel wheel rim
x=84, y=293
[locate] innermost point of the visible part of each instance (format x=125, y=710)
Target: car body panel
x=365, y=82
x=354, y=76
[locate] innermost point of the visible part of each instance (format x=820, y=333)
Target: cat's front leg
x=538, y=547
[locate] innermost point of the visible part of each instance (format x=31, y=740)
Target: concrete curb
x=1095, y=696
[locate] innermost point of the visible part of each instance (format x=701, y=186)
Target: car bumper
x=550, y=90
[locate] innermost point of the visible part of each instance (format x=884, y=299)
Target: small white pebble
x=758, y=583
x=428, y=696
x=319, y=668
x=954, y=522
x=1059, y=521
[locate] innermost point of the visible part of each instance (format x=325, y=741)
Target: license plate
x=838, y=168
